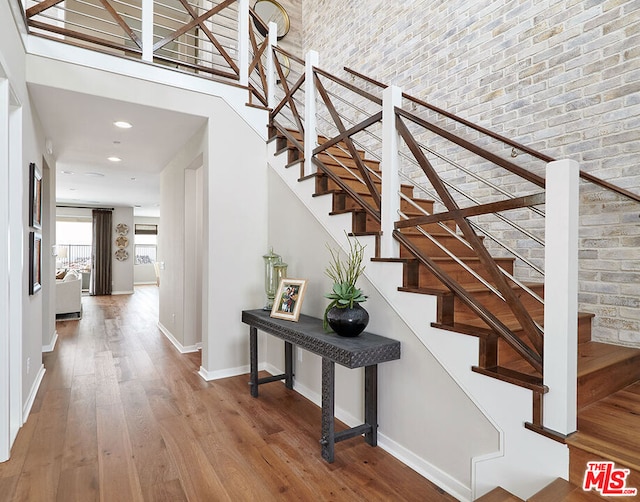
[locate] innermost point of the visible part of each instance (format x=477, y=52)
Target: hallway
x=122, y=416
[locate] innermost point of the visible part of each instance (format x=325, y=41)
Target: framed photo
x=35, y=196
x=288, y=299
x=35, y=262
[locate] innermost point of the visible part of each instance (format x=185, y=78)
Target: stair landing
x=609, y=430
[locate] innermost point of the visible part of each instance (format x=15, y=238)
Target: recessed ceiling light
x=114, y=159
x=95, y=175
x=72, y=189
x=67, y=172
x=132, y=179
x=122, y=124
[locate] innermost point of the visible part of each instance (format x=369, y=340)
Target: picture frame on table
x=35, y=197
x=35, y=262
x=288, y=300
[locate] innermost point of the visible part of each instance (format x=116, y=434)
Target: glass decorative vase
x=280, y=272
x=270, y=280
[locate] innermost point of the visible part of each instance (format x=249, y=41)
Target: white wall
x=421, y=408
x=235, y=239
x=122, y=271
x=27, y=324
x=171, y=240
x=49, y=261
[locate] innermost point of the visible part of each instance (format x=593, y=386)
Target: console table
x=365, y=350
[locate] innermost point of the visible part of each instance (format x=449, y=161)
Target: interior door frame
x=11, y=266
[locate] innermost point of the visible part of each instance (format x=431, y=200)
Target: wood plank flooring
x=121, y=416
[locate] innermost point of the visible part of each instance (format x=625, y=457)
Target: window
x=146, y=243
x=74, y=245
x=145, y=253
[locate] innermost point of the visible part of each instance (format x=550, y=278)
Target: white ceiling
x=80, y=128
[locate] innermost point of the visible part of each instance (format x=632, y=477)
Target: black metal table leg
x=253, y=356
x=371, y=403
x=328, y=409
x=288, y=365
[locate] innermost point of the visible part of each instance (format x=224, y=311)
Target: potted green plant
x=344, y=314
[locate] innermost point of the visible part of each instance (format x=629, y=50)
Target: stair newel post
x=391, y=99
x=561, y=296
x=271, y=67
x=310, y=108
x=243, y=41
x=147, y=30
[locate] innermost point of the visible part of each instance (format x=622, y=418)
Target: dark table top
x=353, y=352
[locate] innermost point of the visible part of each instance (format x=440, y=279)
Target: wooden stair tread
x=499, y=494
x=605, y=427
x=563, y=490
x=596, y=356
x=532, y=382
x=619, y=454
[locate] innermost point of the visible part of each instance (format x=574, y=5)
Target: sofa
x=69, y=294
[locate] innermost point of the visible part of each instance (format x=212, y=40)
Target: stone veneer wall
x=561, y=76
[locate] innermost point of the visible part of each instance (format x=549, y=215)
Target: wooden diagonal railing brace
x=535, y=360
x=353, y=151
x=122, y=23
x=210, y=36
x=196, y=21
x=528, y=325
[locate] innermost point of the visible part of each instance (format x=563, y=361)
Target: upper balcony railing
x=219, y=40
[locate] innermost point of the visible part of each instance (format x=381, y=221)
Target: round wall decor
x=122, y=229
x=122, y=254
x=122, y=241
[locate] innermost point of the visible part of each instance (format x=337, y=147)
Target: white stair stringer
x=526, y=461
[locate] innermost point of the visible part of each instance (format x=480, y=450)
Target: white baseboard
x=181, y=348
x=147, y=283
x=52, y=344
x=407, y=457
x=122, y=292
x=26, y=409
x=427, y=470
x=226, y=373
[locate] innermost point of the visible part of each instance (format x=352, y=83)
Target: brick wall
x=560, y=76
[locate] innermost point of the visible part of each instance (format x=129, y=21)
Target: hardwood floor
x=122, y=416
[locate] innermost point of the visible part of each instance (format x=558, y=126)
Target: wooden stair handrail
x=610, y=186
x=289, y=55
x=491, y=157
x=82, y=36
x=467, y=123
x=534, y=153
x=349, y=86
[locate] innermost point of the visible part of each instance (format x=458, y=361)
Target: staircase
x=608, y=376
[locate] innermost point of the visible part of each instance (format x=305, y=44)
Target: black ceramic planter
x=348, y=321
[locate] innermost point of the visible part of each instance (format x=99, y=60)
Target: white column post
x=310, y=109
x=243, y=41
x=5, y=408
x=561, y=296
x=147, y=30
x=391, y=98
x=271, y=67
